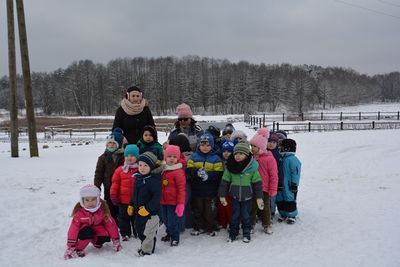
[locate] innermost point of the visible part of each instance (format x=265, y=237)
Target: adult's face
x=184, y=122
x=135, y=97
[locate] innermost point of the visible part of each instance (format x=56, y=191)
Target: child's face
x=147, y=137
x=227, y=136
x=205, y=147
x=143, y=168
x=239, y=157
x=255, y=149
x=271, y=145
x=226, y=154
x=112, y=145
x=90, y=202
x=171, y=160
x=130, y=159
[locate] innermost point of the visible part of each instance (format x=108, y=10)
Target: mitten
x=223, y=201
x=202, y=174
x=130, y=210
x=293, y=188
x=116, y=244
x=69, y=253
x=143, y=212
x=114, y=200
x=260, y=203
x=180, y=208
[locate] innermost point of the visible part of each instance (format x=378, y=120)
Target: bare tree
x=13, y=79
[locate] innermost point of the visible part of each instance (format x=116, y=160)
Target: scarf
x=133, y=109
x=173, y=167
x=126, y=167
x=237, y=167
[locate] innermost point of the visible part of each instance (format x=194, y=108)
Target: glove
x=130, y=210
x=116, y=244
x=114, y=200
x=180, y=208
x=260, y=203
x=69, y=253
x=223, y=201
x=293, y=188
x=202, y=174
x=143, y=212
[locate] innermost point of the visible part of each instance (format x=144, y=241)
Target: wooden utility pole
x=30, y=112
x=13, y=79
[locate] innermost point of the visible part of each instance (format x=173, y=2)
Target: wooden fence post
x=379, y=115
x=341, y=116
x=273, y=126
x=341, y=125
x=359, y=115
x=264, y=120
x=283, y=116
x=373, y=124
x=322, y=116
x=277, y=126
x=309, y=126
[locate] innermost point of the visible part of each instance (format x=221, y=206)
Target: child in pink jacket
x=269, y=175
x=91, y=223
x=173, y=193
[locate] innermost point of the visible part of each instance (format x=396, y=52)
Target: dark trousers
x=265, y=214
x=241, y=212
x=187, y=218
x=111, y=206
x=126, y=223
x=203, y=215
x=171, y=221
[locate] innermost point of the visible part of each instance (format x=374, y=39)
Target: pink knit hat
x=184, y=111
x=172, y=150
x=260, y=139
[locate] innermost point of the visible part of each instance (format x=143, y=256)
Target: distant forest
x=210, y=86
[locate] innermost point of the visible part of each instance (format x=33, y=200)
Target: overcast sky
x=359, y=34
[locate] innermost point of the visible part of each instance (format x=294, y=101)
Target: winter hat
x=184, y=111
x=172, y=150
x=242, y=147
x=229, y=129
x=131, y=150
x=133, y=88
x=227, y=146
x=260, y=139
x=273, y=137
x=214, y=131
x=288, y=145
x=149, y=158
x=238, y=134
x=90, y=191
x=117, y=136
x=152, y=131
x=207, y=138
x=281, y=134
x=182, y=141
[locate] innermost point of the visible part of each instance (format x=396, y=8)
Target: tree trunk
x=13, y=80
x=30, y=113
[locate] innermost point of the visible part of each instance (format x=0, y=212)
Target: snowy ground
x=348, y=201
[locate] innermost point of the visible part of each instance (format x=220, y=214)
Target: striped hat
x=149, y=158
x=242, y=147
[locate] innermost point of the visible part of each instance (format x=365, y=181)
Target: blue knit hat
x=149, y=158
x=117, y=136
x=207, y=138
x=131, y=150
x=227, y=146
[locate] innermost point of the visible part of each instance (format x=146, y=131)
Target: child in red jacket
x=121, y=191
x=91, y=223
x=173, y=193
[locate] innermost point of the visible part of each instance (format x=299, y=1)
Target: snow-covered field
x=348, y=202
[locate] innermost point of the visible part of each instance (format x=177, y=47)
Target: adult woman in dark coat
x=133, y=114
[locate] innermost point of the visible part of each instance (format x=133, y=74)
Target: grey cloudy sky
x=320, y=32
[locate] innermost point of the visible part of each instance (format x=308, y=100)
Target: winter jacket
x=244, y=185
x=213, y=166
x=122, y=184
x=291, y=168
x=154, y=147
x=105, y=168
x=173, y=185
x=268, y=171
x=133, y=125
x=193, y=134
x=147, y=192
x=95, y=220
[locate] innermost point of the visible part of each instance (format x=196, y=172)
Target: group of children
x=232, y=181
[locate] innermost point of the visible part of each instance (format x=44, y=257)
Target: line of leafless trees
x=208, y=85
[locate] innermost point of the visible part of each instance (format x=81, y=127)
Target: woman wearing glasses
x=187, y=125
x=133, y=114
